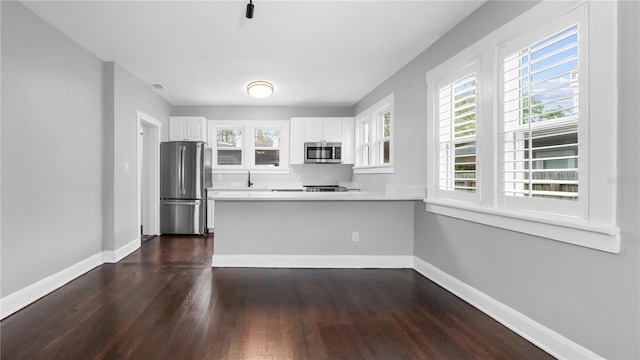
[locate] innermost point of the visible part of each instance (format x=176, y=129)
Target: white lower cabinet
x=210, y=213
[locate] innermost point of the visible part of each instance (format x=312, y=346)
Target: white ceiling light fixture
x=260, y=89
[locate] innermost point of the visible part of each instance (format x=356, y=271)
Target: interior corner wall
x=409, y=86
x=52, y=150
x=129, y=96
x=588, y=296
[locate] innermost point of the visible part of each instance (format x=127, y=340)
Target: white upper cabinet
x=187, y=128
x=313, y=130
x=297, y=141
x=348, y=140
x=332, y=129
x=337, y=129
x=323, y=130
x=177, y=128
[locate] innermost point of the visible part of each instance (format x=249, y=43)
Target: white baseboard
x=113, y=257
x=541, y=336
x=21, y=298
x=313, y=261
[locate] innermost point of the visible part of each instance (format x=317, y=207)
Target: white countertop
x=311, y=196
x=257, y=186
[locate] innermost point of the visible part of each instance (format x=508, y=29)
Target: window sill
x=386, y=169
x=599, y=237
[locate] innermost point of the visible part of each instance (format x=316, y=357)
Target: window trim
x=598, y=230
x=374, y=115
x=248, y=146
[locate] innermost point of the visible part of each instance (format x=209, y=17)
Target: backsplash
x=308, y=174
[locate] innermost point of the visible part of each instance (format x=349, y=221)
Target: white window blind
x=456, y=124
x=539, y=138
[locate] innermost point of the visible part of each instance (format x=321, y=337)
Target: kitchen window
x=365, y=146
x=259, y=146
x=229, y=146
x=524, y=134
x=374, y=138
x=267, y=147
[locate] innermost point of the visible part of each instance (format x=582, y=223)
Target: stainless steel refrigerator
x=182, y=187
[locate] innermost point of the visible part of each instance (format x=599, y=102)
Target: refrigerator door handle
x=182, y=158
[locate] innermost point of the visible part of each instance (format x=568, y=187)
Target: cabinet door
x=296, y=143
x=348, y=141
x=313, y=130
x=177, y=128
x=210, y=213
x=332, y=129
x=196, y=128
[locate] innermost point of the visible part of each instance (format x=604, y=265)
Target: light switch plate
x=126, y=166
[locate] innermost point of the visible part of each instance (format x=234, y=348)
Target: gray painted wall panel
x=52, y=146
x=130, y=95
x=314, y=227
x=260, y=112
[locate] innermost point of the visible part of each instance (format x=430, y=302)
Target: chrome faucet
x=249, y=183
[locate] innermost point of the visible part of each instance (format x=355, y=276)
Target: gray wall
x=259, y=112
x=285, y=227
x=130, y=95
x=65, y=194
x=589, y=296
x=52, y=146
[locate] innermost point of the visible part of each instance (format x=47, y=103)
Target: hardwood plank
x=164, y=301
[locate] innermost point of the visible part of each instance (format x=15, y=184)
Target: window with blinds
x=539, y=137
x=456, y=124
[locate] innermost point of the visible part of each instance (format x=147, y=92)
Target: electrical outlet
x=219, y=176
x=355, y=236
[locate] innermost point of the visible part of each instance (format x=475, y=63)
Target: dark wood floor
x=165, y=302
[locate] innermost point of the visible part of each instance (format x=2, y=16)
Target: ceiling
x=316, y=53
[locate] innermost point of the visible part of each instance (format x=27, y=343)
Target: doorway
x=148, y=135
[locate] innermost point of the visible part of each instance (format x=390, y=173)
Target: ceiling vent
x=158, y=86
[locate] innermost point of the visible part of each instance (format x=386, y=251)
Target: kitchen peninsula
x=303, y=229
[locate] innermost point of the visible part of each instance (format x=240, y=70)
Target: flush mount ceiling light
x=260, y=89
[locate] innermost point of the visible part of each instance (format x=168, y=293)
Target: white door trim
x=148, y=121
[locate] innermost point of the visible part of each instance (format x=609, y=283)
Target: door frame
x=144, y=120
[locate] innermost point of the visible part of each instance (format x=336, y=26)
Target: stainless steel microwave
x=322, y=153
